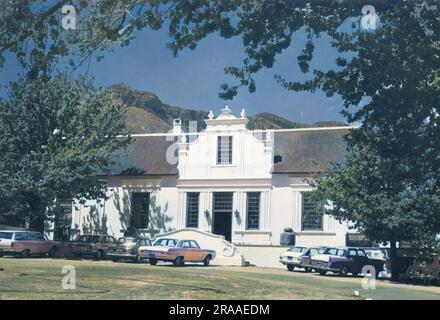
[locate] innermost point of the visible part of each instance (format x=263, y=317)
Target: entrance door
x=222, y=214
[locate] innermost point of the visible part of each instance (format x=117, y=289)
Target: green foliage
x=388, y=79
x=55, y=135
x=35, y=35
x=372, y=195
x=389, y=186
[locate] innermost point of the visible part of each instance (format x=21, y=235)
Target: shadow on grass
x=102, y=291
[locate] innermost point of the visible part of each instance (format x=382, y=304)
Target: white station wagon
x=291, y=258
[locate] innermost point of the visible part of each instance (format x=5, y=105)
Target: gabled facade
x=246, y=185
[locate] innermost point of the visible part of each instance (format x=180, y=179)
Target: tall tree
x=35, y=34
x=376, y=198
x=55, y=135
x=387, y=77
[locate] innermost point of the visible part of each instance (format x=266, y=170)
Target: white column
x=296, y=214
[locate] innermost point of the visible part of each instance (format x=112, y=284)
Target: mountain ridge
x=146, y=113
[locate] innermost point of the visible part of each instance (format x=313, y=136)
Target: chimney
x=177, y=126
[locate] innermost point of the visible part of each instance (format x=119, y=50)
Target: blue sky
x=193, y=79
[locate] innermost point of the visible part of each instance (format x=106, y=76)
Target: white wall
x=112, y=216
x=287, y=212
x=251, y=157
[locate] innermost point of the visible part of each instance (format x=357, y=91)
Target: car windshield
x=88, y=238
x=314, y=251
x=331, y=251
x=340, y=252
x=166, y=243
x=126, y=240
x=334, y=252
x=6, y=235
x=21, y=236
x=187, y=244
x=183, y=244
x=296, y=249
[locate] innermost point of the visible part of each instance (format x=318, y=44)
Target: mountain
x=146, y=113
x=267, y=120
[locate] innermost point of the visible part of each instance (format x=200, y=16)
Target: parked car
x=182, y=251
x=344, y=261
x=162, y=244
x=92, y=245
x=26, y=243
x=127, y=248
x=290, y=258
x=426, y=269
x=304, y=260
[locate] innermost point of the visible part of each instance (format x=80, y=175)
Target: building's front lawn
x=41, y=279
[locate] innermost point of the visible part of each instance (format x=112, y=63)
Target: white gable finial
x=243, y=113
x=226, y=110
x=183, y=139
x=210, y=115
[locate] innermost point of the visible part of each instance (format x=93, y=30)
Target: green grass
x=41, y=279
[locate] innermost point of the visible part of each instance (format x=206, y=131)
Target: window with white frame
x=310, y=220
x=192, y=210
x=224, y=150
x=253, y=211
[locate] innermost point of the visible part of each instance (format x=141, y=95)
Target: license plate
x=118, y=250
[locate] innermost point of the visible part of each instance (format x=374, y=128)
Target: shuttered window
x=253, y=211
x=140, y=210
x=224, y=150
x=192, y=210
x=311, y=221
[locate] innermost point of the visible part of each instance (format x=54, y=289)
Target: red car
x=177, y=252
x=26, y=243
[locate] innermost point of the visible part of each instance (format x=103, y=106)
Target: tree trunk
x=37, y=224
x=37, y=210
x=394, y=262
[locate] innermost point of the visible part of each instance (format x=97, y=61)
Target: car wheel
x=53, y=252
x=153, y=262
x=207, y=260
x=179, y=261
x=290, y=267
x=307, y=269
x=99, y=255
x=322, y=272
x=343, y=272
x=26, y=253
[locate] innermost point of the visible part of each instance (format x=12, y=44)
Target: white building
x=245, y=185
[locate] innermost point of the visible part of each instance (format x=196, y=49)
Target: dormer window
x=224, y=150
